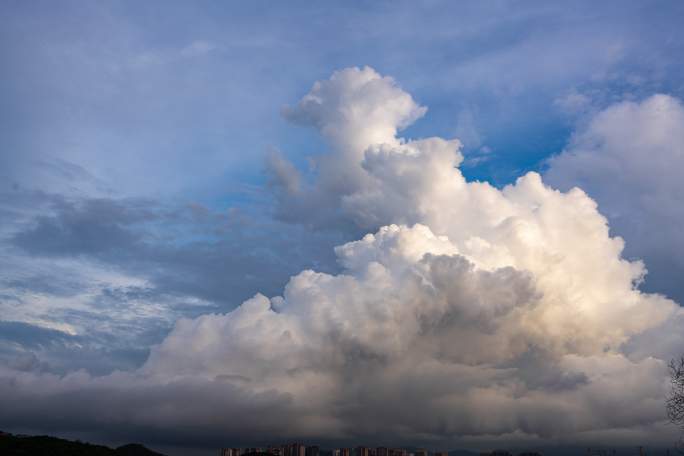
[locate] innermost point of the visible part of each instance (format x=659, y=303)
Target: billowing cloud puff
x=355, y=108
x=630, y=157
x=469, y=313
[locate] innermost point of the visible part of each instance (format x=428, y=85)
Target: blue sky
x=134, y=141
x=197, y=89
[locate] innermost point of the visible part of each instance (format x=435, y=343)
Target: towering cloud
x=468, y=313
x=354, y=109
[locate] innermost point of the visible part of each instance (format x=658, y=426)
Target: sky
x=438, y=224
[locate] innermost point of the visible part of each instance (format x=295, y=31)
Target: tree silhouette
x=675, y=401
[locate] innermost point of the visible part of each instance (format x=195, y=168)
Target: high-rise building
x=421, y=452
x=381, y=451
x=362, y=451
x=294, y=449
x=230, y=452
x=312, y=450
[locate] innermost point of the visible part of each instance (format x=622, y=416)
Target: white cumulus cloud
x=630, y=158
x=469, y=312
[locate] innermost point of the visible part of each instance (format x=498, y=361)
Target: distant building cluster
x=377, y=451
x=292, y=449
x=298, y=449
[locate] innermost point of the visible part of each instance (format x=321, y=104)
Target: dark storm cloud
x=219, y=410
x=29, y=347
x=89, y=227
x=220, y=257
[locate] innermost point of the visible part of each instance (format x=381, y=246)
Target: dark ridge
x=20, y=445
x=135, y=449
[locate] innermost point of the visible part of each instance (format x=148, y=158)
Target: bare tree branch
x=675, y=401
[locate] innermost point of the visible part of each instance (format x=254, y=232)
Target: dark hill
x=135, y=449
x=15, y=445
